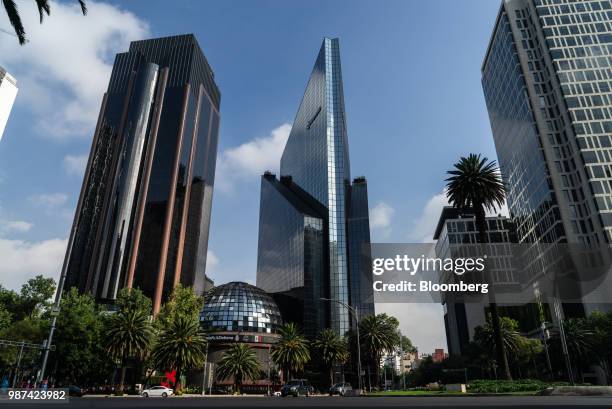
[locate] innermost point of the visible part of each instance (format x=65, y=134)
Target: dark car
x=74, y=390
x=340, y=389
x=296, y=388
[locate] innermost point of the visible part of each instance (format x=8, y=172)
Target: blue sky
x=414, y=103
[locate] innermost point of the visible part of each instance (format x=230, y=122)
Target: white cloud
x=252, y=158
x=423, y=228
x=212, y=262
x=63, y=70
x=75, y=164
x=380, y=219
x=22, y=260
x=15, y=226
x=49, y=200
x=422, y=323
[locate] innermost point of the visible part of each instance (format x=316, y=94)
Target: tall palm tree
x=485, y=336
x=378, y=334
x=240, y=363
x=128, y=335
x=180, y=346
x=291, y=352
x=475, y=183
x=12, y=12
x=332, y=350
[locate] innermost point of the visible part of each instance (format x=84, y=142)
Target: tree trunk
x=331, y=376
x=500, y=348
x=122, y=380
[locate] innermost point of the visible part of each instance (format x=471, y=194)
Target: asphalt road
x=505, y=402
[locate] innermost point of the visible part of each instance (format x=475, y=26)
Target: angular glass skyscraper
x=309, y=244
x=143, y=215
x=547, y=79
x=8, y=93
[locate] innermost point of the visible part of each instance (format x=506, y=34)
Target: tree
x=331, y=350
x=132, y=299
x=378, y=334
x=128, y=335
x=238, y=362
x=291, y=352
x=475, y=183
x=43, y=8
x=180, y=346
x=5, y=318
x=600, y=324
x=183, y=302
x=79, y=357
x=35, y=295
x=579, y=337
x=406, y=344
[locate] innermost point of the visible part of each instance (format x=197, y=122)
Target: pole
x=269, y=377
x=205, y=374
x=355, y=313
x=568, y=363
x=18, y=363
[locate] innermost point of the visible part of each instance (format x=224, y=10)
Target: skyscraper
x=143, y=214
x=310, y=245
x=547, y=81
x=455, y=235
x=8, y=93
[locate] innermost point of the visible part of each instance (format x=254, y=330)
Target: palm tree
x=239, y=362
x=580, y=341
x=291, y=352
x=475, y=183
x=332, y=350
x=43, y=8
x=484, y=335
x=128, y=335
x=180, y=346
x=378, y=334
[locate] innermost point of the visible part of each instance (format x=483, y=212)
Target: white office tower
x=8, y=92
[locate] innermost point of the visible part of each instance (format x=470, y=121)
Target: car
x=297, y=387
x=162, y=391
x=74, y=390
x=340, y=389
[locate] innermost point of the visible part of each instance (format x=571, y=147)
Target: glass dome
x=239, y=306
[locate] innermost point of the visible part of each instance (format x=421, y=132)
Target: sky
x=413, y=99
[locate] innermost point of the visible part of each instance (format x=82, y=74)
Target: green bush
x=492, y=386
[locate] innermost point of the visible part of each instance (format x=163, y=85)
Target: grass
x=445, y=393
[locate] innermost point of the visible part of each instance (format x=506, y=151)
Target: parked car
x=74, y=390
x=296, y=388
x=340, y=389
x=157, y=391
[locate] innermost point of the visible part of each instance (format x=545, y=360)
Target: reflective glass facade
x=144, y=211
x=239, y=306
x=316, y=162
x=8, y=93
x=560, y=53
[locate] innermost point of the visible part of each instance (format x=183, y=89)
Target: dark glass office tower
x=547, y=81
x=312, y=202
x=143, y=215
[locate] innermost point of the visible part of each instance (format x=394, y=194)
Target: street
x=497, y=402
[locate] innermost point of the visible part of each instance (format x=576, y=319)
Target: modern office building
x=238, y=312
x=547, y=79
x=456, y=234
x=143, y=214
x=314, y=226
x=8, y=93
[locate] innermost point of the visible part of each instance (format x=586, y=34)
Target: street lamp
x=355, y=313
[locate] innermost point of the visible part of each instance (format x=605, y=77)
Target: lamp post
x=355, y=314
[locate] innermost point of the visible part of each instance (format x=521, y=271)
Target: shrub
x=502, y=386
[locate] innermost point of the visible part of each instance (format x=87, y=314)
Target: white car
x=157, y=391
